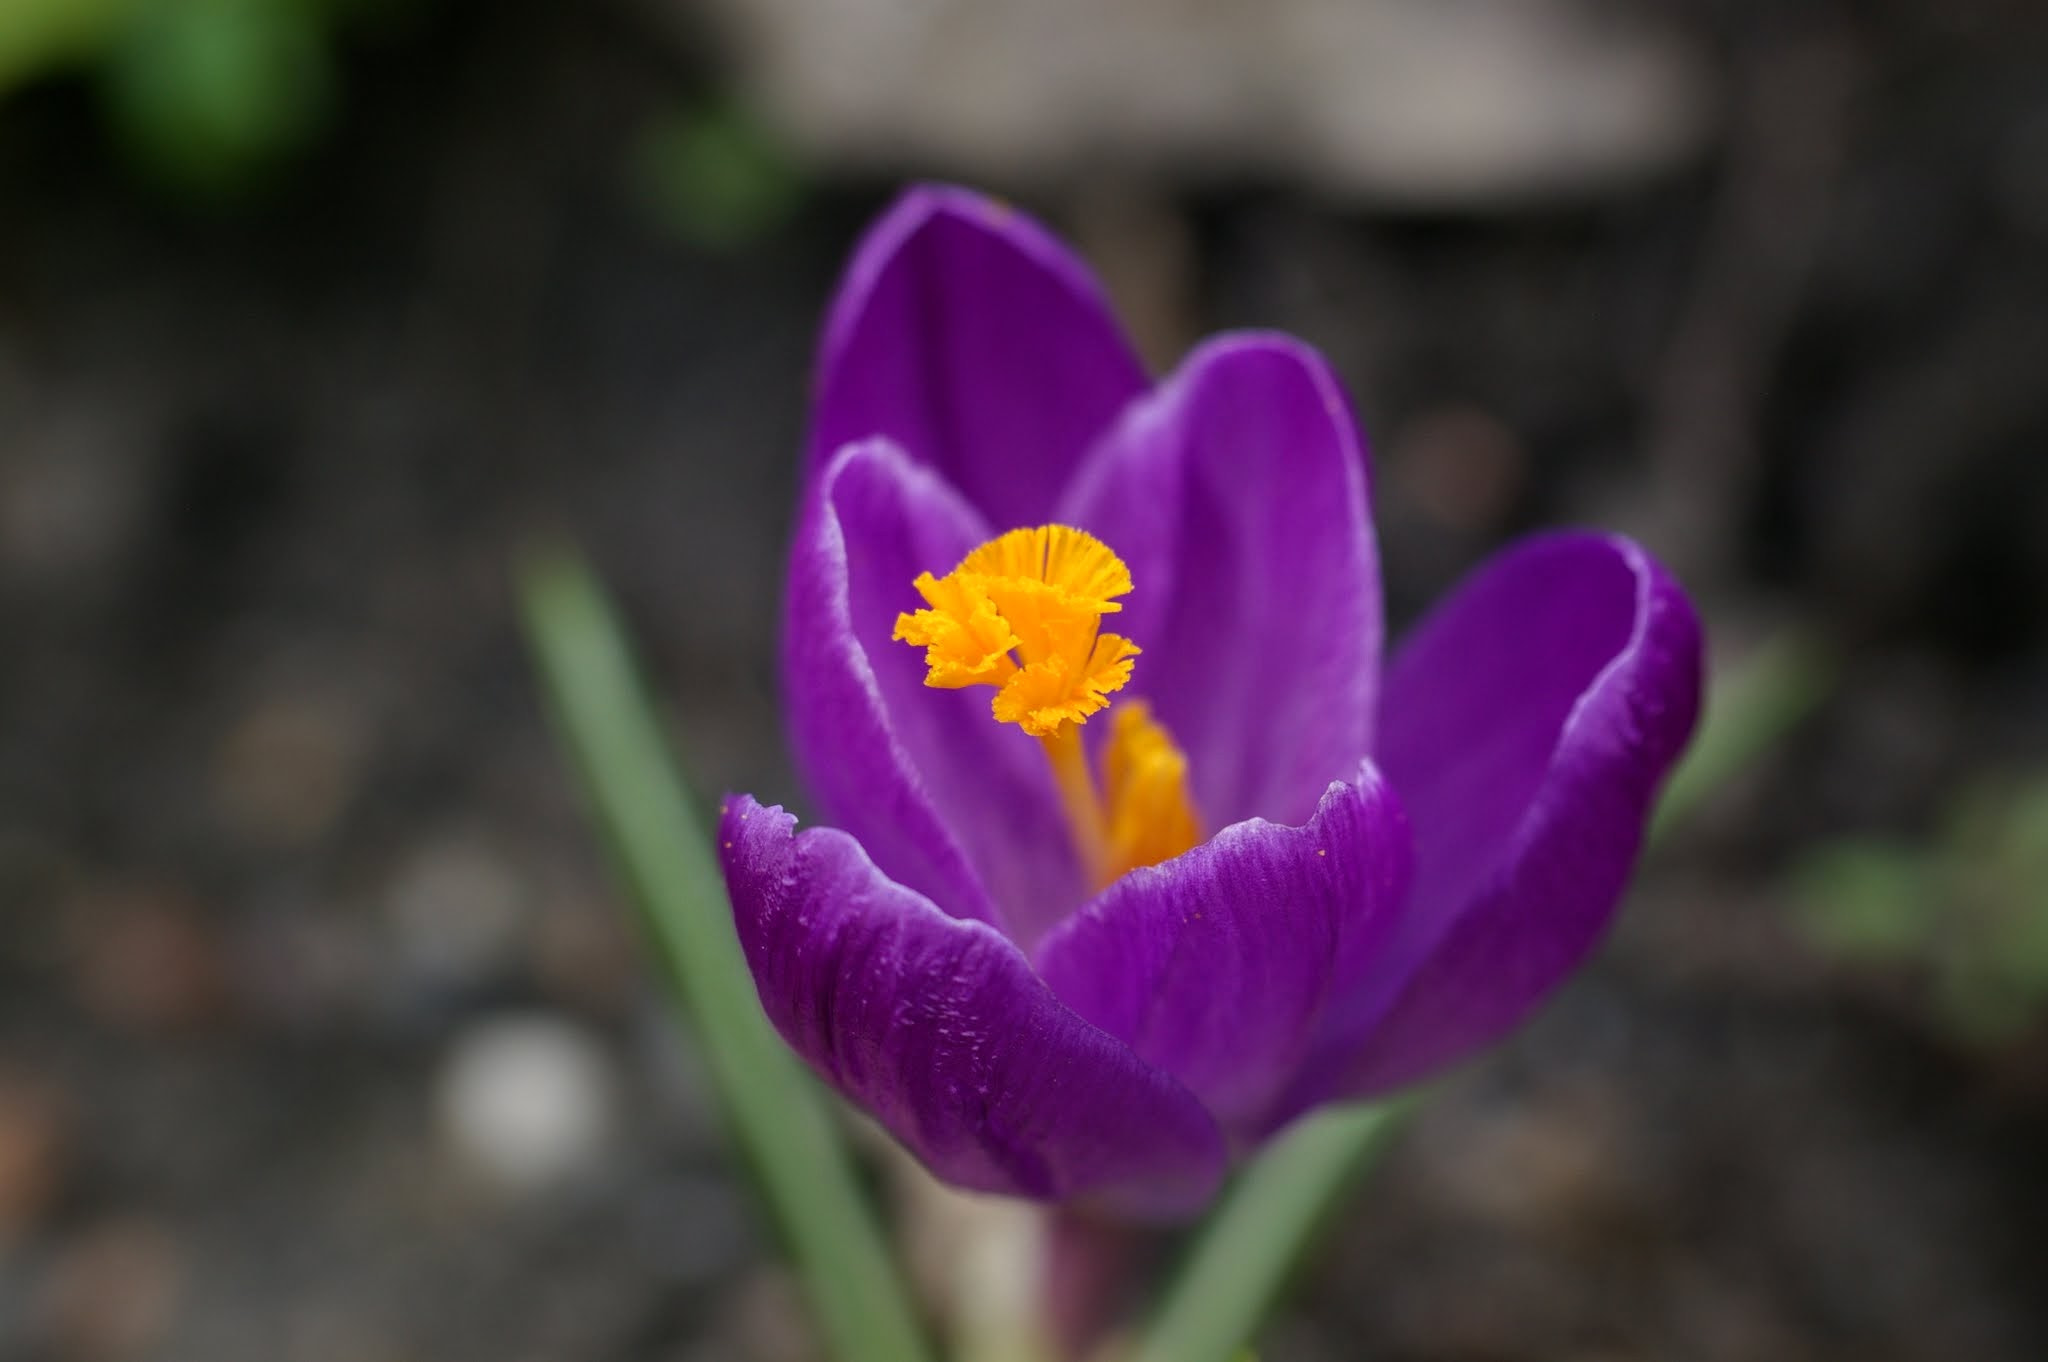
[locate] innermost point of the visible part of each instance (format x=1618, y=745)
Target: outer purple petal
x=1237, y=494
x=938, y=1028
x=1527, y=724
x=1217, y=964
x=947, y=800
x=971, y=337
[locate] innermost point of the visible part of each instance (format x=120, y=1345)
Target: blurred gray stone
x=529, y=1102
x=70, y=495
x=289, y=765
x=1428, y=102
x=457, y=910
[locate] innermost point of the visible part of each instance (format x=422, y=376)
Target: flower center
x=1023, y=613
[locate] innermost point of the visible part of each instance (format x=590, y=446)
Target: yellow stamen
x=1145, y=782
x=1023, y=613
x=1042, y=698
x=966, y=642
x=1080, y=802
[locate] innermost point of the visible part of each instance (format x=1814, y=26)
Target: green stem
x=775, y=1111
x=1249, y=1245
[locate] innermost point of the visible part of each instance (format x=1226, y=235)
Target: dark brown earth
x=283, y=838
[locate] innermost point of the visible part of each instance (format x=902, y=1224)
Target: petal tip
x=1277, y=358
x=1571, y=665
x=956, y=316
x=917, y=210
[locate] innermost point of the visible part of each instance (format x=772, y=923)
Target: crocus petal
x=948, y=801
x=1216, y=965
x=971, y=337
x=1237, y=495
x=939, y=1029
x=1527, y=724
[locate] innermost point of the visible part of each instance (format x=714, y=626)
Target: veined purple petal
x=1237, y=495
x=947, y=800
x=975, y=340
x=1527, y=725
x=1216, y=965
x=938, y=1028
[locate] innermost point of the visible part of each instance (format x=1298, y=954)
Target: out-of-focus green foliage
x=715, y=178
x=1752, y=706
x=204, y=94
x=42, y=35
x=1970, y=910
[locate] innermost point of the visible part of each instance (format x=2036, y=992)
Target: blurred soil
x=295, y=901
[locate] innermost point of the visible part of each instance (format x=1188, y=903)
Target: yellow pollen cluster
x=1023, y=613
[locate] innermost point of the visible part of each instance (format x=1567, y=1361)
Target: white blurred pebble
x=528, y=1101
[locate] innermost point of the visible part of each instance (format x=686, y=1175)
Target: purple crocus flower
x=1089, y=962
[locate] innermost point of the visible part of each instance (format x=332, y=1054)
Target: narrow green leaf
x=775, y=1111
x=1752, y=707
x=1241, y=1258
x=1257, y=1234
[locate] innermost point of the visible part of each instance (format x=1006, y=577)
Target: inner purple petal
x=989, y=781
x=1467, y=733
x=1237, y=492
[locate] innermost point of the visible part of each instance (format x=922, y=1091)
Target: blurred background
x=323, y=1037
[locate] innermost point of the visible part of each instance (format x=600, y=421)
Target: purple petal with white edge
x=939, y=1029
x=1216, y=965
x=1528, y=725
x=1237, y=495
x=947, y=800
x=970, y=336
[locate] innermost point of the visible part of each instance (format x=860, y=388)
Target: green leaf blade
x=1250, y=1245
x=1242, y=1257
x=775, y=1111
